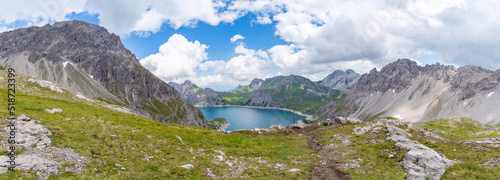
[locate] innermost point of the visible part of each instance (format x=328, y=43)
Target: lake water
x=249, y=118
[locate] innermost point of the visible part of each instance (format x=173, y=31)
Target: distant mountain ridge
x=292, y=92
x=86, y=58
x=341, y=80
x=194, y=94
x=414, y=93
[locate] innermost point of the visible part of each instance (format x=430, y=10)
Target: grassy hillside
x=371, y=156
x=146, y=149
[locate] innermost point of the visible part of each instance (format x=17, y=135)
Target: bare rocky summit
x=86, y=58
x=414, y=93
x=341, y=80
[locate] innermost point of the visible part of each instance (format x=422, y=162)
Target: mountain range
x=291, y=92
x=413, y=93
x=86, y=58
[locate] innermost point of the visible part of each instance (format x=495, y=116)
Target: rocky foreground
x=33, y=150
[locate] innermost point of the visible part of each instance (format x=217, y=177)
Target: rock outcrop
x=86, y=58
x=38, y=154
x=420, y=162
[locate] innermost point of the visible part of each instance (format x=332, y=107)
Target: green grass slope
x=146, y=149
x=371, y=156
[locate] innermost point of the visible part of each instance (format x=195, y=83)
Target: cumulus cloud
x=177, y=58
x=249, y=64
x=323, y=32
x=236, y=38
x=38, y=12
x=145, y=17
x=321, y=35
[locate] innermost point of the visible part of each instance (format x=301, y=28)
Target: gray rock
x=294, y=170
x=340, y=120
x=431, y=134
x=420, y=162
x=39, y=155
x=54, y=110
x=280, y=166
x=326, y=122
x=300, y=126
x=23, y=118
x=187, y=166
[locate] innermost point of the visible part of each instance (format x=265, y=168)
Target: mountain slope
x=194, y=94
x=125, y=146
x=292, y=92
x=86, y=58
x=341, y=80
x=413, y=93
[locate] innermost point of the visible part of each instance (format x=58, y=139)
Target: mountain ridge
x=87, y=58
x=291, y=92
x=417, y=93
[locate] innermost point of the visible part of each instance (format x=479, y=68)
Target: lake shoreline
x=308, y=116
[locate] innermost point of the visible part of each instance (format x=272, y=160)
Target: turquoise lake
x=249, y=118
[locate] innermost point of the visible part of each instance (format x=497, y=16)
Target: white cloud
x=5, y=29
x=38, y=12
x=241, y=68
x=323, y=32
x=144, y=17
x=264, y=19
x=236, y=38
x=248, y=65
x=177, y=58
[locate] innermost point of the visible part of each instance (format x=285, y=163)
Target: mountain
x=86, y=58
x=341, y=80
x=292, y=92
x=194, y=94
x=413, y=93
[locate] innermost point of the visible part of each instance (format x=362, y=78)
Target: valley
x=87, y=109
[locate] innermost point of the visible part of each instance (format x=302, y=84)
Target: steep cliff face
x=86, y=58
x=341, y=80
x=414, y=93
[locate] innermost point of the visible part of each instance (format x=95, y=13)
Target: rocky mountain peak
x=341, y=80
x=87, y=58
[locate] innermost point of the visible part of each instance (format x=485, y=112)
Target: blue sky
x=181, y=40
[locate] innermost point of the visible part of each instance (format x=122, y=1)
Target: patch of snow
x=393, y=91
x=465, y=102
x=293, y=170
x=65, y=63
x=398, y=116
x=491, y=93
